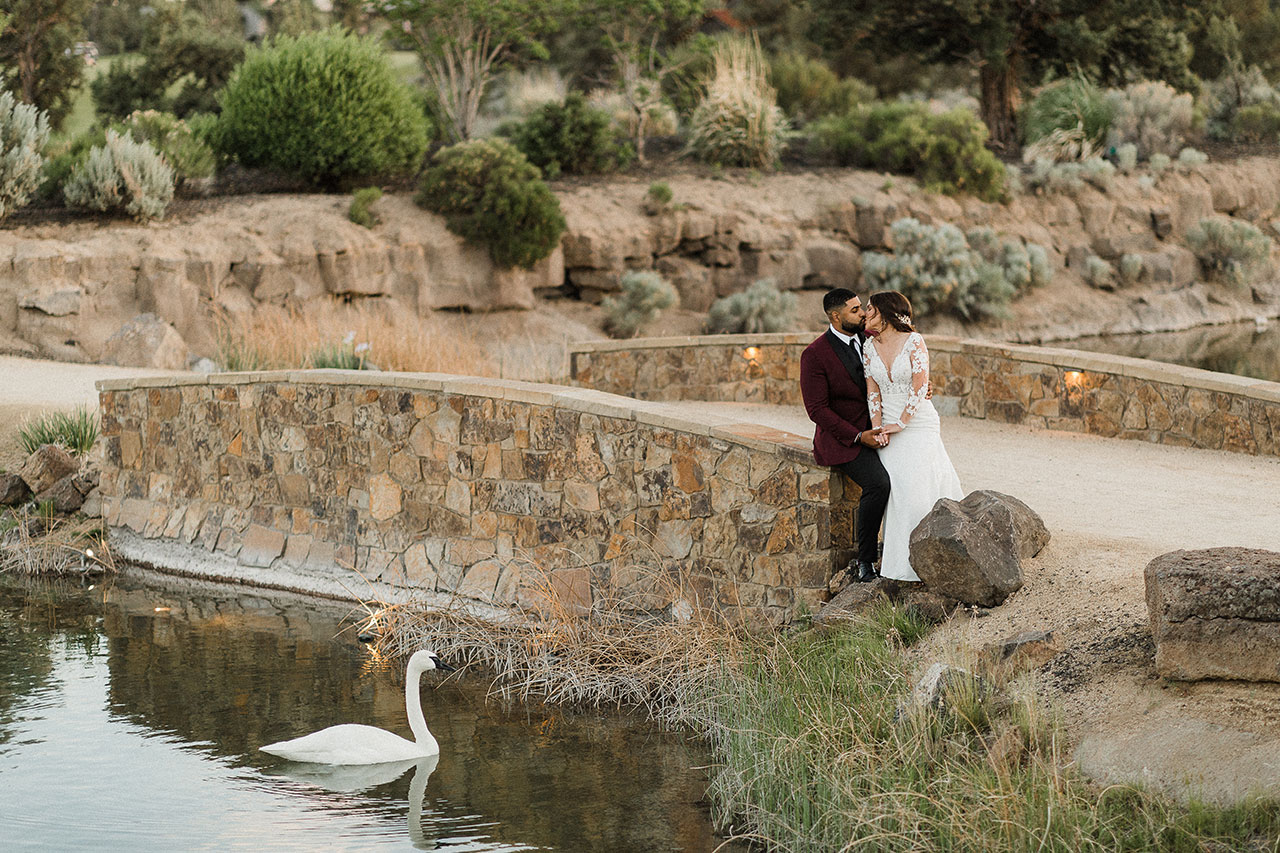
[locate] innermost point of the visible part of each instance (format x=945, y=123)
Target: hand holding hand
x=890, y=429
x=872, y=437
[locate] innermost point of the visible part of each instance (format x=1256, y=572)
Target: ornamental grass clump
x=24, y=130
x=1074, y=106
x=122, y=175
x=738, y=122
x=323, y=106
x=759, y=308
x=492, y=196
x=1230, y=250
x=644, y=296
x=76, y=431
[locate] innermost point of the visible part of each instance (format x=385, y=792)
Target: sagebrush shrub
x=1230, y=250
x=24, y=130
x=1153, y=116
x=1099, y=273
x=570, y=137
x=1074, y=104
x=325, y=106
x=1130, y=268
x=940, y=272
x=122, y=174
x=491, y=195
x=738, y=122
x=808, y=89
x=188, y=154
x=947, y=152
x=644, y=296
x=759, y=308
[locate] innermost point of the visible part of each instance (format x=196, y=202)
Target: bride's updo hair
x=894, y=308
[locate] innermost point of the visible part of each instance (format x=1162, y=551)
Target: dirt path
x=29, y=387
x=1111, y=506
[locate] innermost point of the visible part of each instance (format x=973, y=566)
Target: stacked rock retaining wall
x=498, y=491
x=1055, y=388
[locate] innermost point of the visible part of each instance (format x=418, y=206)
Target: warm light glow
x=162, y=609
x=751, y=353
x=1073, y=377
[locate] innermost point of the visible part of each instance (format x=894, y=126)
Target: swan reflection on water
x=351, y=778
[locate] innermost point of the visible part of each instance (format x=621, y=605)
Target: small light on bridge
x=1074, y=377
x=162, y=610
x=751, y=354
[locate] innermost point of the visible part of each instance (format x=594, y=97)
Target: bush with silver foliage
x=24, y=130
x=122, y=175
x=942, y=271
x=1230, y=250
x=759, y=308
x=644, y=296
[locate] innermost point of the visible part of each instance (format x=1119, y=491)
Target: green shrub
x=188, y=154
x=1257, y=123
x=1152, y=116
x=940, y=272
x=1068, y=105
x=1129, y=269
x=644, y=296
x=1230, y=250
x=1098, y=273
x=738, y=122
x=122, y=175
x=570, y=137
x=359, y=211
x=493, y=197
x=658, y=198
x=76, y=431
x=759, y=308
x=24, y=130
x=808, y=89
x=1232, y=93
x=63, y=158
x=325, y=106
x=946, y=152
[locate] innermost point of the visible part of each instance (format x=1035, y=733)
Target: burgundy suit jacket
x=835, y=396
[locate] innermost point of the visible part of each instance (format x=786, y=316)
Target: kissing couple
x=865, y=384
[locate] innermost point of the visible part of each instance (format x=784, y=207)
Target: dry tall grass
x=274, y=338
x=34, y=542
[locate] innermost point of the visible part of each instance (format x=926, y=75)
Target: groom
x=835, y=396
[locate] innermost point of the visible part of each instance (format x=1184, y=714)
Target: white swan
x=355, y=744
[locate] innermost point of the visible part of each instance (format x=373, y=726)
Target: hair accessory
x=903, y=319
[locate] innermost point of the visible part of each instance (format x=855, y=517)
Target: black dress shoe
x=866, y=572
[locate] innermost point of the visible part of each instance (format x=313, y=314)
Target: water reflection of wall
x=1244, y=350
x=235, y=672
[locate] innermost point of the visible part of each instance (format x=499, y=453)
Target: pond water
x=131, y=714
x=1243, y=348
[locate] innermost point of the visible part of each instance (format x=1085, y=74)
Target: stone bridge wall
x=1055, y=388
x=484, y=488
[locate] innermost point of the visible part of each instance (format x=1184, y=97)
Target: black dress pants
x=871, y=477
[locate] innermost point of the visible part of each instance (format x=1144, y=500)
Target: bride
x=920, y=472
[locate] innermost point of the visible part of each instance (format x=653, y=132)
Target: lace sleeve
x=919, y=377
x=873, y=388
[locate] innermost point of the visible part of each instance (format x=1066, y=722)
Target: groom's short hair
x=836, y=299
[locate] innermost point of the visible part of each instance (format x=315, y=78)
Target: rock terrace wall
x=486, y=489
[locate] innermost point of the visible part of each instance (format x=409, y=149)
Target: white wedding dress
x=920, y=472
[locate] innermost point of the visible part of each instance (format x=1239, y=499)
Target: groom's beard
x=851, y=328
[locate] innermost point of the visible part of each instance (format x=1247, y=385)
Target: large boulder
x=146, y=341
x=1215, y=613
x=49, y=464
x=972, y=550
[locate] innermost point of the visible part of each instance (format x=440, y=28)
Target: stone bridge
x=496, y=491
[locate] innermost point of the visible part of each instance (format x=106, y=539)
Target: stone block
x=260, y=546
x=1215, y=613
x=146, y=341
x=13, y=489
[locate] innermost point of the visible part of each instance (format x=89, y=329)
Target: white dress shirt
x=850, y=340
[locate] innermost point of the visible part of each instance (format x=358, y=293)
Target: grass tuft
x=76, y=431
